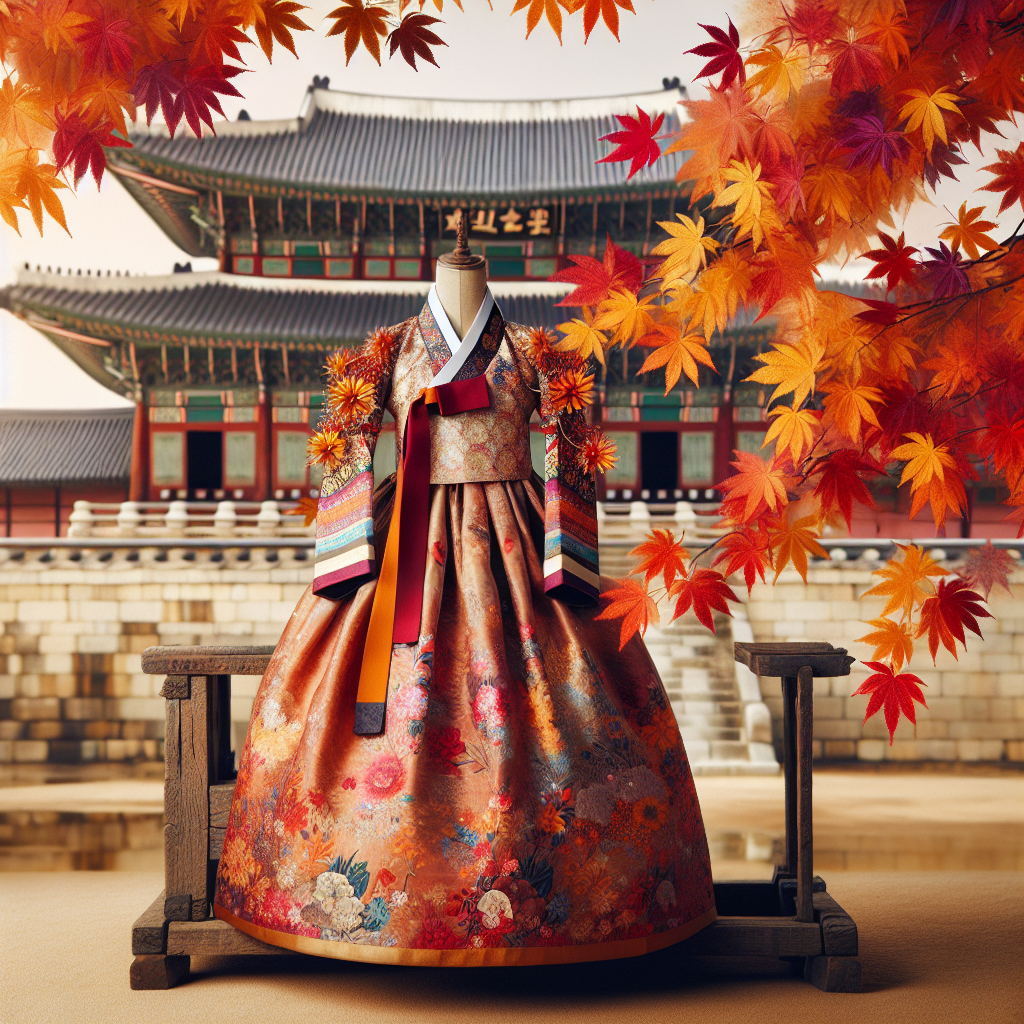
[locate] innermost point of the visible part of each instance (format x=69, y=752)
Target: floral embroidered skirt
x=529, y=802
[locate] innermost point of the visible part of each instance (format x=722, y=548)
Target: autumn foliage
x=816, y=137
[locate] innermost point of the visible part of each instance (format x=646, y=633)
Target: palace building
x=327, y=226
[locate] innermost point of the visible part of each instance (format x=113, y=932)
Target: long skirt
x=529, y=800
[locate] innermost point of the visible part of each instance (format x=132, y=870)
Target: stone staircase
x=721, y=717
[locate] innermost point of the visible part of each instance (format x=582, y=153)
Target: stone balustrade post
x=129, y=519
x=639, y=513
x=685, y=516
x=225, y=519
x=81, y=520
x=176, y=518
x=269, y=519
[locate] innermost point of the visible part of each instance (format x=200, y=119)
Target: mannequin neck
x=460, y=290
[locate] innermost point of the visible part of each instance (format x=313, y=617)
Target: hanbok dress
x=450, y=762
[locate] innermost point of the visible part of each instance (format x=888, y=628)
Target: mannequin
x=461, y=281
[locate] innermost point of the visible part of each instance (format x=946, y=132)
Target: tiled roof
x=214, y=308
x=420, y=148
x=65, y=447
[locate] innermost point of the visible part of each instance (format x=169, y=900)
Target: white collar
x=461, y=348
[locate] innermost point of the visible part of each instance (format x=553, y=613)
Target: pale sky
x=487, y=58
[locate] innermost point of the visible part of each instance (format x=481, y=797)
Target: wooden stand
x=790, y=917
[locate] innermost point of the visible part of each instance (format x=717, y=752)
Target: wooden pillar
x=805, y=828
x=264, y=447
x=789, y=732
x=138, y=488
x=56, y=511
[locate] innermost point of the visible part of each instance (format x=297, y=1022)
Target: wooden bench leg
x=833, y=973
x=158, y=971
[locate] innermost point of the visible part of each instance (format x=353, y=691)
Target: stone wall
x=975, y=704
x=72, y=689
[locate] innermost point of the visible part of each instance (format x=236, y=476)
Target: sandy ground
x=940, y=944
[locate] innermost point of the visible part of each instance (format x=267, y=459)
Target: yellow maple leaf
x=179, y=10
x=924, y=112
x=792, y=542
x=37, y=184
x=925, y=460
x=901, y=580
x=754, y=211
x=781, y=73
x=59, y=25
x=23, y=116
x=968, y=233
x=793, y=431
x=627, y=314
x=11, y=199
x=849, y=405
x=676, y=352
x=792, y=367
x=830, y=190
x=891, y=640
x=581, y=337
x=686, y=250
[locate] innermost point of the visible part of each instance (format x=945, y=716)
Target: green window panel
x=276, y=267
x=384, y=461
x=376, y=246
x=507, y=268
x=243, y=246
x=701, y=414
x=166, y=414
x=273, y=247
x=652, y=414
x=243, y=414
x=541, y=268
x=698, y=455
x=618, y=414
x=407, y=270
x=543, y=247
x=624, y=472
x=291, y=456
x=245, y=265
x=168, y=459
x=377, y=268
x=750, y=441
x=307, y=249
x=407, y=247
x=204, y=415
x=340, y=268
x=239, y=458
x=307, y=268
x=209, y=399
x=748, y=414
x=504, y=250
x=291, y=415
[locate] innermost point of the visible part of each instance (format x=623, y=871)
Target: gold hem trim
x=506, y=956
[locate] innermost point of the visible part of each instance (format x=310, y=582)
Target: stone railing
x=185, y=519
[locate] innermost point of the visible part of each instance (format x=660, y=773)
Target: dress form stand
x=460, y=282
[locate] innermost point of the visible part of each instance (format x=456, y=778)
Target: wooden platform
x=790, y=917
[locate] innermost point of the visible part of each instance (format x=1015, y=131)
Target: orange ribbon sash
x=395, y=616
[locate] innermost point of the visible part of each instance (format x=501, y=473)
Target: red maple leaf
x=79, y=145
x=108, y=43
x=987, y=566
x=944, y=616
x=744, y=550
x=661, y=555
x=414, y=38
x=855, y=66
x=1009, y=177
x=1005, y=441
x=197, y=95
x=703, y=590
x=156, y=85
x=724, y=51
x=839, y=484
x=879, y=312
x=810, y=23
x=635, y=142
x=761, y=484
x=218, y=35
x=893, y=693
x=594, y=279
x=893, y=262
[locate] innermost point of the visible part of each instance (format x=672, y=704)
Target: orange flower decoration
x=571, y=390
x=540, y=344
x=380, y=344
x=350, y=397
x=326, y=447
x=338, y=362
x=598, y=453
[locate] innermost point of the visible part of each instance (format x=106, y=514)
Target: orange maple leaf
x=757, y=481
x=676, y=352
x=630, y=602
x=891, y=640
x=791, y=542
x=902, y=580
x=307, y=508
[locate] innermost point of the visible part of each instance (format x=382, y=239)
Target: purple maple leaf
x=872, y=144
x=941, y=163
x=945, y=272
